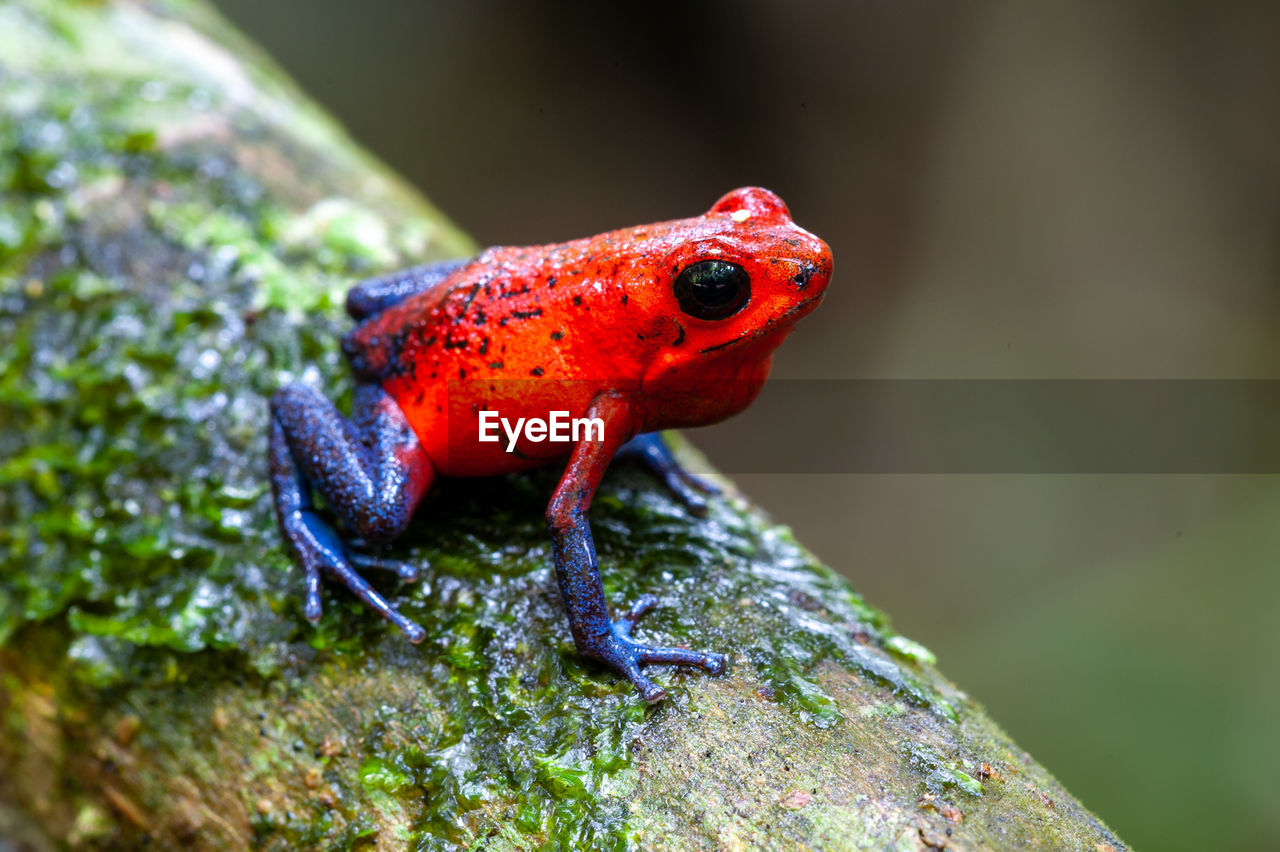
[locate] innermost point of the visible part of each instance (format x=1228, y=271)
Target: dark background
x=1012, y=190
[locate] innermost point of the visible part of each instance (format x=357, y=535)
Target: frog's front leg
x=578, y=568
x=371, y=471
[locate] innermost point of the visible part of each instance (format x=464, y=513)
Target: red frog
x=629, y=332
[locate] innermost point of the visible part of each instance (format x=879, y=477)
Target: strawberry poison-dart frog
x=629, y=332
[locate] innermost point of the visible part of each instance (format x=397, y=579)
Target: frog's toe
x=689, y=488
x=627, y=623
x=650, y=691
x=711, y=662
x=700, y=483
x=410, y=628
x=629, y=667
x=343, y=571
x=406, y=571
x=694, y=502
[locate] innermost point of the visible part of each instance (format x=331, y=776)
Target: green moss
x=939, y=776
x=375, y=774
x=336, y=231
x=910, y=649
x=782, y=669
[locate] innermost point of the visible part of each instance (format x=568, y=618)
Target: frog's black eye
x=712, y=289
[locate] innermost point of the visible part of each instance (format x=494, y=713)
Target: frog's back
x=376, y=346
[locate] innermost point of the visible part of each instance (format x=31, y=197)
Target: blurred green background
x=1012, y=190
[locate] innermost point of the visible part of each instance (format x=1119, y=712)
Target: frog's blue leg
x=371, y=472
x=578, y=569
x=377, y=294
x=652, y=451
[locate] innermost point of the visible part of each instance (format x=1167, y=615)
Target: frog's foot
x=320, y=550
x=618, y=650
x=653, y=452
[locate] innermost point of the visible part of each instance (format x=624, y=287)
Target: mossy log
x=177, y=228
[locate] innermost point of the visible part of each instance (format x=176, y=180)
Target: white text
x=560, y=428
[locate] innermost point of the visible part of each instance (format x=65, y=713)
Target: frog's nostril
x=805, y=275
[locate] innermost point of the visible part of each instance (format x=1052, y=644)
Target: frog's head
x=745, y=275
x=733, y=283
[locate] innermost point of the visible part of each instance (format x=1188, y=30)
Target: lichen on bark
x=177, y=228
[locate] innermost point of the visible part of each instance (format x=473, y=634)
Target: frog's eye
x=712, y=289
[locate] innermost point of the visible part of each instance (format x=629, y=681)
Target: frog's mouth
x=798, y=310
x=788, y=317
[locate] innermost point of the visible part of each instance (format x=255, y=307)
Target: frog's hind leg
x=371, y=471
x=652, y=451
x=375, y=295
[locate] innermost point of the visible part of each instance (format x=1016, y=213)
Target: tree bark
x=178, y=226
